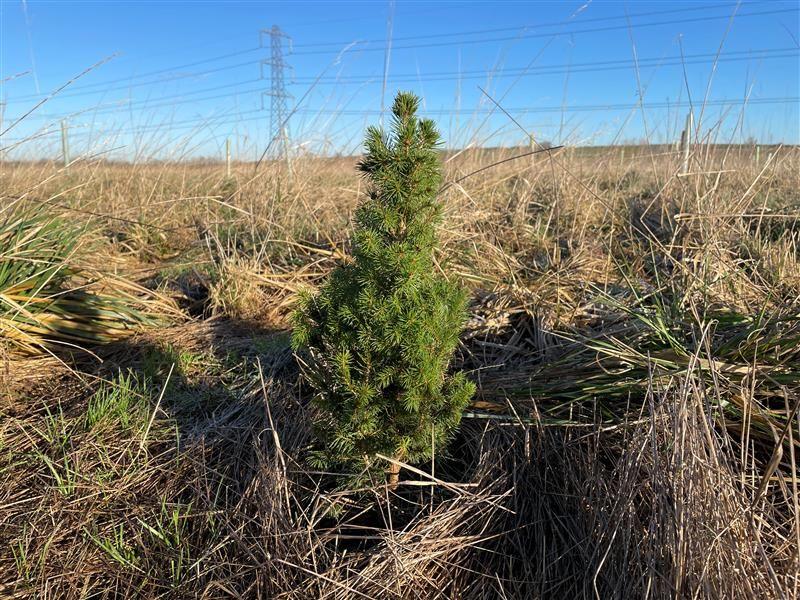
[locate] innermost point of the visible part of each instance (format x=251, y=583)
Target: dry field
x=634, y=335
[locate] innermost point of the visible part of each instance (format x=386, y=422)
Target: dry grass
x=635, y=337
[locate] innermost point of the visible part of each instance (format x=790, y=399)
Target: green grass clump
x=119, y=401
x=45, y=300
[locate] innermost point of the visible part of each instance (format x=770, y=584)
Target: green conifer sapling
x=378, y=337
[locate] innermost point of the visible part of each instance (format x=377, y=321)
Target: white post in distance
x=2, y=114
x=228, y=158
x=64, y=143
x=686, y=142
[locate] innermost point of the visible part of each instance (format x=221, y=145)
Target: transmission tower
x=279, y=113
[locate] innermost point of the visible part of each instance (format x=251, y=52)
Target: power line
x=103, y=84
x=526, y=27
x=543, y=70
x=456, y=75
x=601, y=107
x=155, y=128
x=21, y=99
x=202, y=61
x=573, y=68
x=529, y=110
x=174, y=100
x=571, y=32
x=292, y=24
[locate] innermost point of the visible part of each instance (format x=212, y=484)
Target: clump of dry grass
x=635, y=338
x=46, y=300
x=235, y=291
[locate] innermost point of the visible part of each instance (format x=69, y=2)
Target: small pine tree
x=381, y=332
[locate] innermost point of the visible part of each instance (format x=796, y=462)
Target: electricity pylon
x=279, y=112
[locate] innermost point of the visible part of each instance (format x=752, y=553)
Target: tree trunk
x=393, y=475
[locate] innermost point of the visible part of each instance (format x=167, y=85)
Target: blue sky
x=181, y=77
